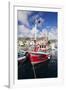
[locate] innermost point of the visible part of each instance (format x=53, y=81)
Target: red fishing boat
x=38, y=54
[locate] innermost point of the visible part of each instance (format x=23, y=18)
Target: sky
x=44, y=21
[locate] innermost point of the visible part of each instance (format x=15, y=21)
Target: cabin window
x=40, y=46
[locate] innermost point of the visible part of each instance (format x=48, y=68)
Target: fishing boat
x=40, y=52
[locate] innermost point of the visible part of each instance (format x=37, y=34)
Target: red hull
x=38, y=58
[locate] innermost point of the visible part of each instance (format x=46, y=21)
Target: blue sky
x=28, y=19
x=50, y=18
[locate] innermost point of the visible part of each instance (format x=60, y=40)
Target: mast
x=35, y=29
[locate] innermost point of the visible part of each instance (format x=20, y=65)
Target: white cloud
x=53, y=34
x=26, y=32
x=23, y=31
x=23, y=16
